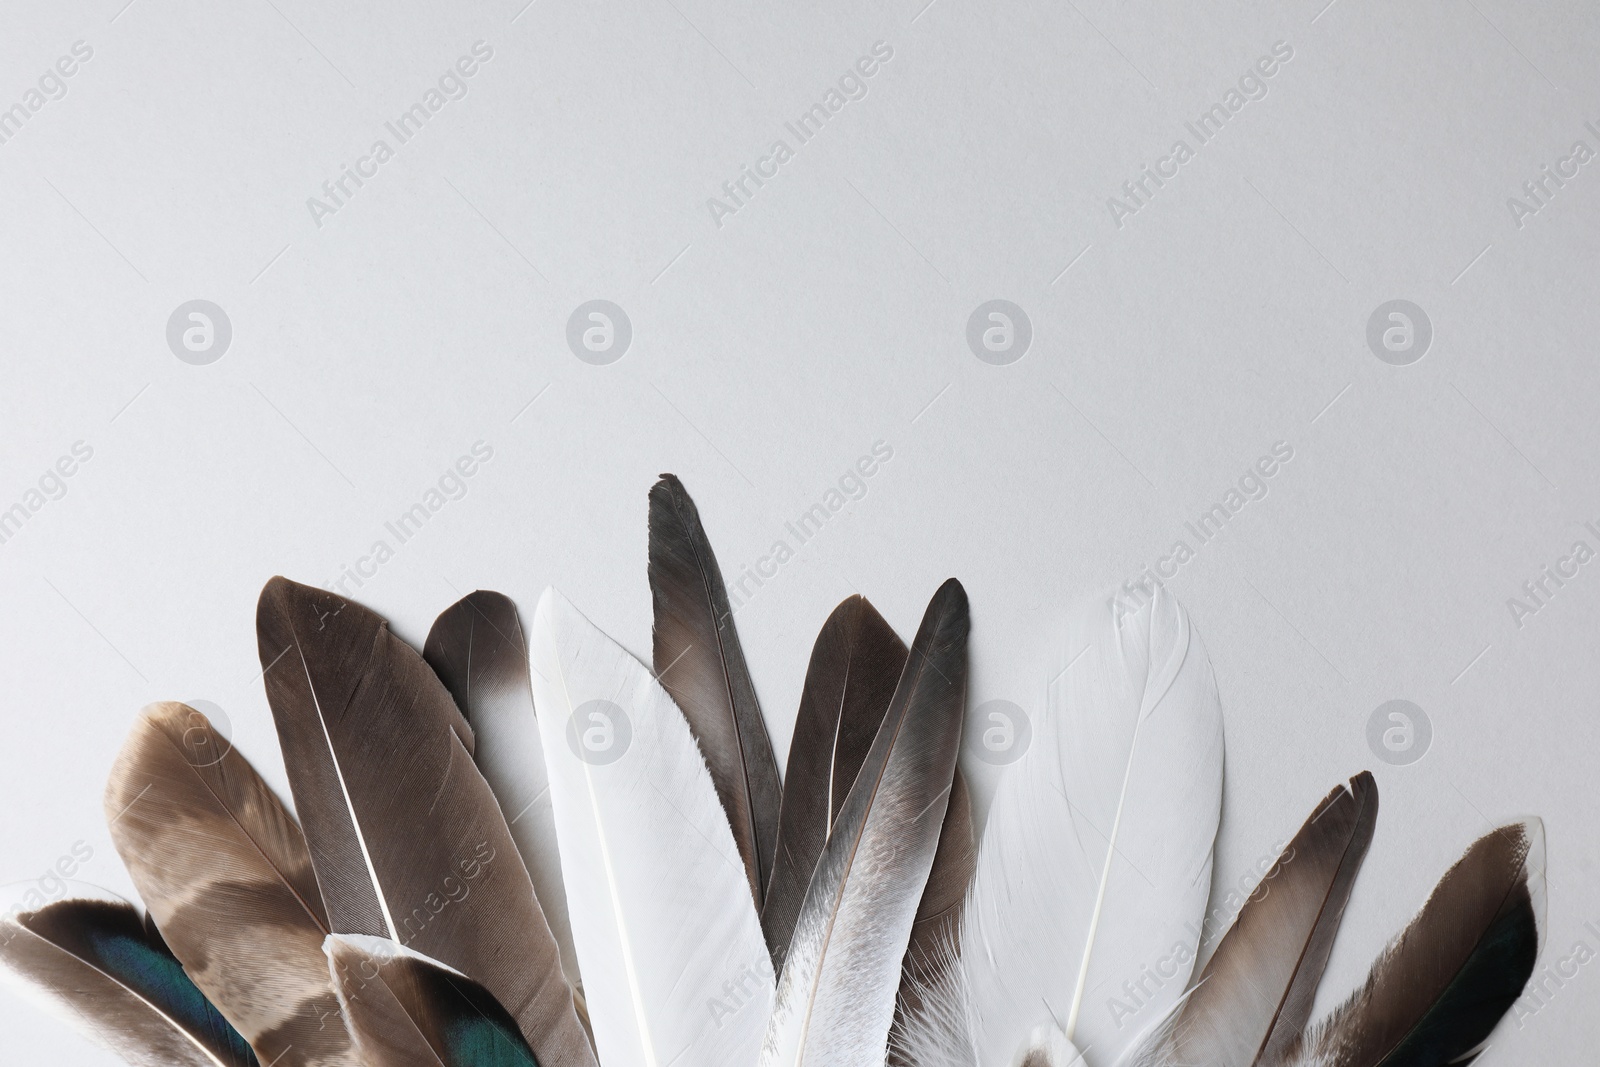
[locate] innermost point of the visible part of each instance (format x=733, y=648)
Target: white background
x=827, y=314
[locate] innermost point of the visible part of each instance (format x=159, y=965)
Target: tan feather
x=223, y=868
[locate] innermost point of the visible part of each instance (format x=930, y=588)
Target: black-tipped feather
x=1440, y=988
x=101, y=960
x=855, y=666
x=405, y=836
x=698, y=661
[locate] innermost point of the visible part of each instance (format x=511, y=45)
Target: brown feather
x=837, y=993
x=855, y=665
x=699, y=662
x=406, y=838
x=1254, y=997
x=223, y=868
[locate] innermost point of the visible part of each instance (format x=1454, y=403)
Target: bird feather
x=1096, y=859
x=1438, y=990
x=223, y=868
x=407, y=1010
x=477, y=648
x=406, y=838
x=855, y=666
x=675, y=967
x=698, y=659
x=1254, y=997
x=837, y=993
x=111, y=970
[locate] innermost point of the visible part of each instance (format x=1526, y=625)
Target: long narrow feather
x=1254, y=997
x=407, y=1010
x=855, y=666
x=675, y=968
x=699, y=661
x=103, y=963
x=405, y=836
x=1095, y=864
x=836, y=996
x=223, y=868
x=477, y=648
x=935, y=934
x=1437, y=992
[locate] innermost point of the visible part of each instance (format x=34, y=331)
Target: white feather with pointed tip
x=1095, y=865
x=675, y=967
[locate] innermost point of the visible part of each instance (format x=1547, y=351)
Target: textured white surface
x=827, y=314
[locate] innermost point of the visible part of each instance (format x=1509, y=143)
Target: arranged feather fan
x=542, y=854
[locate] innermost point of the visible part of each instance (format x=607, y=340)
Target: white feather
x=674, y=964
x=1095, y=865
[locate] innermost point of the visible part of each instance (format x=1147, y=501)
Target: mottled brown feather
x=224, y=870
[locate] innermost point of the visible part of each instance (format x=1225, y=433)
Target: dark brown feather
x=836, y=996
x=224, y=870
x=405, y=836
x=1254, y=997
x=1439, y=989
x=855, y=665
x=698, y=660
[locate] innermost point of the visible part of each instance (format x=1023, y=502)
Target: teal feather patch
x=113, y=970
x=405, y=1009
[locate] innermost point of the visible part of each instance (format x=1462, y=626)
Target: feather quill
x=110, y=968
x=855, y=666
x=675, y=967
x=477, y=648
x=223, y=869
x=1254, y=996
x=1096, y=859
x=1437, y=992
x=409, y=1011
x=836, y=996
x=698, y=659
x=405, y=836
